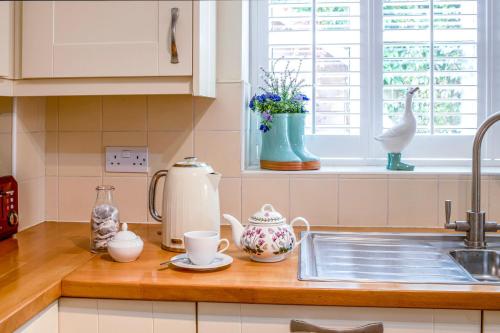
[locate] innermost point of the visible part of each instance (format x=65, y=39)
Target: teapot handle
x=308, y=226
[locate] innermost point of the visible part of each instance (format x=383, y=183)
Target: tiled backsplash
x=59, y=184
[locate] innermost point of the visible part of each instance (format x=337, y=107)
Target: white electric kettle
x=190, y=201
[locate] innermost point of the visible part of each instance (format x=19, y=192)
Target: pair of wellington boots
x=283, y=146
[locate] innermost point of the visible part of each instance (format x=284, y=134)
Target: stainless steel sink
x=396, y=257
x=483, y=265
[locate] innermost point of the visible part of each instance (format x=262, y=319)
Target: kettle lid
x=267, y=214
x=190, y=162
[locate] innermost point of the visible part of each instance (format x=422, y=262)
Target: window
x=359, y=57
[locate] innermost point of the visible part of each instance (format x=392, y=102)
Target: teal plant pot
x=276, y=152
x=296, y=134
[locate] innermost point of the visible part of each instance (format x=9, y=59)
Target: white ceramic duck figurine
x=400, y=135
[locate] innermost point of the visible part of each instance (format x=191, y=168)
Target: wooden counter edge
x=464, y=300
x=28, y=309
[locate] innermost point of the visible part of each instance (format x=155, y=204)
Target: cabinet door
x=183, y=38
x=77, y=315
x=255, y=318
x=491, y=322
x=103, y=38
x=6, y=38
x=44, y=322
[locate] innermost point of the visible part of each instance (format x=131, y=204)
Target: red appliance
x=8, y=207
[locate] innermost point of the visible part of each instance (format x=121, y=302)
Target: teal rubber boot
x=276, y=153
x=296, y=126
x=394, y=163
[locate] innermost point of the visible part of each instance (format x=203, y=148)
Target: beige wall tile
x=166, y=148
x=31, y=202
x=51, y=198
x=170, y=112
x=413, y=203
x=31, y=114
x=124, y=113
x=130, y=195
x=5, y=153
x=80, y=154
x=52, y=113
x=30, y=155
x=80, y=113
x=76, y=198
x=363, y=202
x=260, y=191
x=456, y=191
x=315, y=199
x=222, y=150
x=6, y=114
x=51, y=154
x=224, y=112
x=128, y=139
x=230, y=197
x=175, y=317
x=493, y=212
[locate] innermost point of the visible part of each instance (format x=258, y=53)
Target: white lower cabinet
x=491, y=322
x=81, y=315
x=255, y=318
x=44, y=322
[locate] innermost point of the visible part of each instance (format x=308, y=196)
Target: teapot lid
x=267, y=214
x=190, y=162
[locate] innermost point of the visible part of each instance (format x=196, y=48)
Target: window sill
x=377, y=170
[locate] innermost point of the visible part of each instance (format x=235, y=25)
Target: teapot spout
x=236, y=227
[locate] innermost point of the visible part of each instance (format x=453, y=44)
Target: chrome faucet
x=476, y=225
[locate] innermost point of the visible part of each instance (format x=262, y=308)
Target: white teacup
x=201, y=246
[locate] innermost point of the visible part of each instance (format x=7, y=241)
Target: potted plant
x=281, y=106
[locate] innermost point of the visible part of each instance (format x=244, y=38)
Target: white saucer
x=221, y=260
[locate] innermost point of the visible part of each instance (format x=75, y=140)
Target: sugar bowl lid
x=125, y=238
x=267, y=214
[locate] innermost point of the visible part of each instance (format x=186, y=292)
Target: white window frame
x=432, y=150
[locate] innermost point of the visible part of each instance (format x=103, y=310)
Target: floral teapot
x=267, y=238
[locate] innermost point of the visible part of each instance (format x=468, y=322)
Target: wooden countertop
x=32, y=266
x=52, y=260
x=246, y=281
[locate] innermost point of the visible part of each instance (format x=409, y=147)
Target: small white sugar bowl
x=125, y=246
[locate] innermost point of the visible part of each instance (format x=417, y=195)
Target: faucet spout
x=476, y=161
x=476, y=225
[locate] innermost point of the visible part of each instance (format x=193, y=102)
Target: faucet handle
x=447, y=210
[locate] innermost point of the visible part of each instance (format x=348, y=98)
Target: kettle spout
x=214, y=178
x=236, y=227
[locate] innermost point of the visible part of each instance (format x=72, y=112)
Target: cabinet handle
x=174, y=58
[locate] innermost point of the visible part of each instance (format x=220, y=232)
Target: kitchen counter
x=51, y=260
x=32, y=266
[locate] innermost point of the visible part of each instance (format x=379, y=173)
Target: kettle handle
x=152, y=194
x=308, y=226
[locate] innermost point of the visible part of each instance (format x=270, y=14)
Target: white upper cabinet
x=77, y=39
x=6, y=39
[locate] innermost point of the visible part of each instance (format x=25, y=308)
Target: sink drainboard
x=384, y=257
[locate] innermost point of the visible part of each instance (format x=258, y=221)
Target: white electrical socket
x=127, y=159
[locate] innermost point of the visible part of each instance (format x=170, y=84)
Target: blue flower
x=264, y=128
x=301, y=97
x=267, y=116
x=252, y=103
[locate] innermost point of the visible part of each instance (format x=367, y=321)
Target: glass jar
x=105, y=219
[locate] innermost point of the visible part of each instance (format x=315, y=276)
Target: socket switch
x=127, y=159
